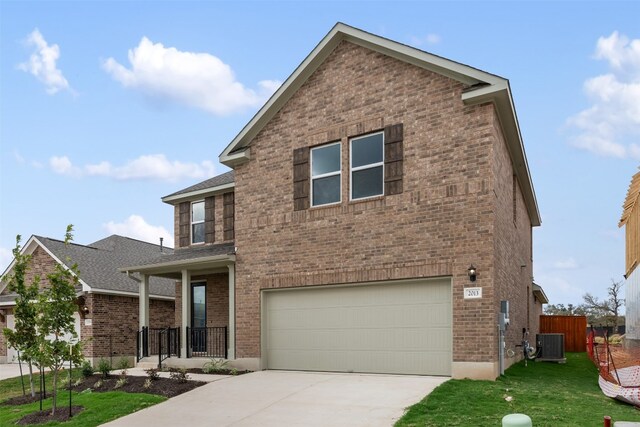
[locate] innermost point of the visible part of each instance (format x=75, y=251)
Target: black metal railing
x=168, y=344
x=142, y=343
x=207, y=342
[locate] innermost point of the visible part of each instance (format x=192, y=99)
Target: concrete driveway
x=277, y=398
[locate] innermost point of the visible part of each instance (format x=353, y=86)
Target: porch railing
x=207, y=342
x=168, y=344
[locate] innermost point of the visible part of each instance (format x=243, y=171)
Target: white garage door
x=12, y=354
x=394, y=327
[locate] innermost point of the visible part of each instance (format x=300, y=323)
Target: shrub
x=234, y=371
x=87, y=369
x=78, y=382
x=98, y=384
x=152, y=373
x=147, y=383
x=64, y=381
x=120, y=382
x=123, y=365
x=104, y=367
x=214, y=365
x=179, y=375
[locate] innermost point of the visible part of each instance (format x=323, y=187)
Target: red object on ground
x=607, y=421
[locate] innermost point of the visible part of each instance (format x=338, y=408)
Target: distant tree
x=607, y=310
x=56, y=306
x=23, y=337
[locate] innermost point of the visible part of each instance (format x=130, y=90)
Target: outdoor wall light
x=85, y=310
x=472, y=273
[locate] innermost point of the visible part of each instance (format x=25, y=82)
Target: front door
x=199, y=317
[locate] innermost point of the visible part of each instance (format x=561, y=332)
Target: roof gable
x=482, y=87
x=630, y=201
x=98, y=262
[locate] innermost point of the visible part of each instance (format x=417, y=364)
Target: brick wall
x=512, y=243
x=439, y=225
x=115, y=323
x=3, y=341
x=217, y=299
x=218, y=224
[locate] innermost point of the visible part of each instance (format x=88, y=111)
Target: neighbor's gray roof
x=98, y=262
x=225, y=178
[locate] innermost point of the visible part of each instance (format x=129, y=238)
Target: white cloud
x=153, y=166
x=560, y=290
x=429, y=39
x=6, y=256
x=42, y=63
x=137, y=228
x=194, y=79
x=18, y=157
x=614, y=113
x=566, y=264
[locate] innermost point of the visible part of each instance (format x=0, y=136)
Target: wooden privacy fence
x=573, y=328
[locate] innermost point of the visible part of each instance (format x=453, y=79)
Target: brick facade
x=217, y=294
x=452, y=212
x=114, y=318
x=219, y=234
x=114, y=322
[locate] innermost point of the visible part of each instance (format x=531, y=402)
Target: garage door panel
x=384, y=328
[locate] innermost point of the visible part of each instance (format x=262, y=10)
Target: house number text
x=472, y=293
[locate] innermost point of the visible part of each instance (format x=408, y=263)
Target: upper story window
x=197, y=222
x=326, y=174
x=367, y=166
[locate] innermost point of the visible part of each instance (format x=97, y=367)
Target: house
x=630, y=219
x=379, y=210
x=107, y=316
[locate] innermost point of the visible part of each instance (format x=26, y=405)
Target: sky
x=106, y=106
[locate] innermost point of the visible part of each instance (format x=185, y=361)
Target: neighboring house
x=631, y=220
x=361, y=195
x=107, y=316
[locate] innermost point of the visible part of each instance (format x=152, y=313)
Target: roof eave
x=198, y=194
x=338, y=33
x=192, y=263
x=500, y=95
x=539, y=293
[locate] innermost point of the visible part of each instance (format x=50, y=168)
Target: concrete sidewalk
x=11, y=370
x=277, y=398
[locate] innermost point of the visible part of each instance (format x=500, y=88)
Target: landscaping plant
x=104, y=367
x=179, y=375
x=23, y=337
x=152, y=373
x=123, y=365
x=214, y=365
x=86, y=369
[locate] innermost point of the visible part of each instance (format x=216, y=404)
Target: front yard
x=551, y=394
x=100, y=403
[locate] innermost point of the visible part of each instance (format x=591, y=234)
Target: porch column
x=143, y=301
x=186, y=311
x=231, y=344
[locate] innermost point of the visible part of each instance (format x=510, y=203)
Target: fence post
x=226, y=349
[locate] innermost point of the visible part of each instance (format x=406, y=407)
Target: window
x=197, y=222
x=367, y=166
x=326, y=174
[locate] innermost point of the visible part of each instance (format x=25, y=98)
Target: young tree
x=55, y=322
x=23, y=337
x=609, y=308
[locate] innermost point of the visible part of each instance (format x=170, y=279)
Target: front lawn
x=99, y=408
x=551, y=394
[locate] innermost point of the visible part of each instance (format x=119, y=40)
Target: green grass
x=99, y=408
x=551, y=394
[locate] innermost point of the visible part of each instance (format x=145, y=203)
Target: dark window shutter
x=228, y=211
x=209, y=219
x=301, y=178
x=393, y=157
x=184, y=222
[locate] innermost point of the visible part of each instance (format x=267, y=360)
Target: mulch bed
x=166, y=387
x=22, y=400
x=62, y=414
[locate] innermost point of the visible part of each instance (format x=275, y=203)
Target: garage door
x=393, y=327
x=12, y=354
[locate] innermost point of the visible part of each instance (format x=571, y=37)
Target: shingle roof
x=191, y=253
x=98, y=262
x=225, y=178
x=631, y=199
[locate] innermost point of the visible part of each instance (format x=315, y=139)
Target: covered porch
x=204, y=321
